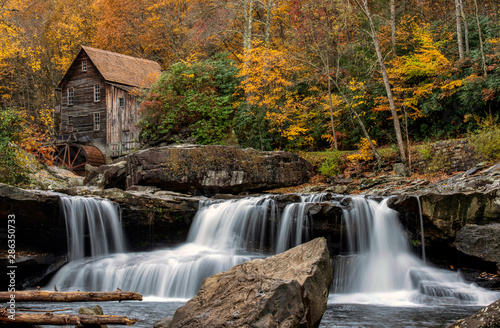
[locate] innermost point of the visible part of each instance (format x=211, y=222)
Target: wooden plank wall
x=83, y=108
x=121, y=121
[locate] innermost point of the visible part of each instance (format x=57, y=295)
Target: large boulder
x=286, y=290
x=205, y=169
x=480, y=241
x=489, y=317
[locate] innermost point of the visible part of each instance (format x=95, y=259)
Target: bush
x=12, y=170
x=486, y=141
x=332, y=164
x=365, y=152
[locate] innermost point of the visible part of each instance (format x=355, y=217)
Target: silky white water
x=379, y=267
x=376, y=268
x=98, y=219
x=221, y=236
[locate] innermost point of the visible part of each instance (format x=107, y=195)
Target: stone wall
x=450, y=156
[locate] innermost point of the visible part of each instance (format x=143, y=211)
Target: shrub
x=486, y=141
x=12, y=170
x=365, y=152
x=332, y=164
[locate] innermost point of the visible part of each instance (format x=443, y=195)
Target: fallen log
x=48, y=296
x=63, y=319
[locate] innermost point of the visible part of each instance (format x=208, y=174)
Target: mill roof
x=121, y=69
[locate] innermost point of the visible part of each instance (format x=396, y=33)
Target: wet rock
x=108, y=176
x=286, y=290
x=482, y=241
x=401, y=170
x=96, y=310
x=203, y=170
x=33, y=211
x=163, y=323
x=489, y=317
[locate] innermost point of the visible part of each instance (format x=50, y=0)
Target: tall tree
x=479, y=31
x=460, y=41
x=373, y=33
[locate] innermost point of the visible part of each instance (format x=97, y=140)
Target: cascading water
x=376, y=267
x=220, y=236
x=380, y=268
x=97, y=218
x=294, y=225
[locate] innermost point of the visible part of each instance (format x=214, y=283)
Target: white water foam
x=378, y=267
x=381, y=269
x=220, y=234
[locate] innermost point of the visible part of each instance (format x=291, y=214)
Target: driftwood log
x=63, y=319
x=48, y=296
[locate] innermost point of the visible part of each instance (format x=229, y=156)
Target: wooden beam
x=49, y=296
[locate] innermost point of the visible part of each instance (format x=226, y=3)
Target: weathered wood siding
x=81, y=113
x=121, y=120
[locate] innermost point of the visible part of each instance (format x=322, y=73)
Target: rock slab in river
x=489, y=317
x=286, y=290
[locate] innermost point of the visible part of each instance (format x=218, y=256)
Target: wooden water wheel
x=75, y=156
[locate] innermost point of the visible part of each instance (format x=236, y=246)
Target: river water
x=336, y=315
x=378, y=281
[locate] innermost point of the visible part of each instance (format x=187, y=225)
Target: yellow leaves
x=452, y=85
x=450, y=88
x=365, y=152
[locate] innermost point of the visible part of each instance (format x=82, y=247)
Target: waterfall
x=376, y=264
x=422, y=235
x=380, y=268
x=223, y=234
x=97, y=218
x=294, y=225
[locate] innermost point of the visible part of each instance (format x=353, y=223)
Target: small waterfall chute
x=99, y=219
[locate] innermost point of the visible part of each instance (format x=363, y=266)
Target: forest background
x=270, y=74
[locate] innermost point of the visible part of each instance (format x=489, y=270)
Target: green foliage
x=332, y=164
x=252, y=128
x=425, y=151
x=486, y=141
x=12, y=171
x=197, y=97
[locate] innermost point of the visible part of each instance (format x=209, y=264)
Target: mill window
x=71, y=93
x=84, y=65
x=97, y=93
x=97, y=121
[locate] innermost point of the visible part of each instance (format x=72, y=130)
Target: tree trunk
x=483, y=59
x=466, y=26
x=393, y=26
x=63, y=319
x=48, y=296
x=459, y=31
x=247, y=24
x=267, y=22
x=397, y=125
x=330, y=105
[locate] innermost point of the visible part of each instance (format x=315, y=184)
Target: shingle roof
x=123, y=69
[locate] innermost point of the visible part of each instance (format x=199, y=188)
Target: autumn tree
x=191, y=99
x=272, y=83
x=363, y=5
